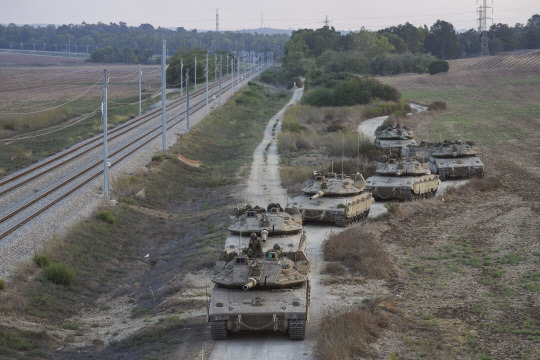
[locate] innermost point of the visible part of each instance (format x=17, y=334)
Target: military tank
x=455, y=159
x=402, y=179
x=393, y=137
x=329, y=197
x=261, y=278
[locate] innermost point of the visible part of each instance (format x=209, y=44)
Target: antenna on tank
x=342, y=151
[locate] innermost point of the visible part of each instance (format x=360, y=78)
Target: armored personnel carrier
x=402, y=179
x=329, y=197
x=261, y=278
x=455, y=159
x=393, y=137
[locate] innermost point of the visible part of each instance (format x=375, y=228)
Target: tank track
x=407, y=195
x=479, y=173
x=442, y=175
x=219, y=329
x=344, y=222
x=297, y=329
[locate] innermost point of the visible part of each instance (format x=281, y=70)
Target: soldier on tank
x=255, y=246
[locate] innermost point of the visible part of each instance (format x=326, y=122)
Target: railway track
x=15, y=218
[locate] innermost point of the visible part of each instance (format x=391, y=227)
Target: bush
x=59, y=274
x=2, y=284
x=157, y=157
x=268, y=77
x=282, y=94
x=106, y=216
x=437, y=106
x=438, y=66
x=41, y=260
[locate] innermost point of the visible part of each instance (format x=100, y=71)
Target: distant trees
x=442, y=40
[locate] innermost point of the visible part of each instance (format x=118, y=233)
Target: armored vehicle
x=420, y=152
x=329, y=197
x=393, y=137
x=402, y=179
x=455, y=159
x=261, y=281
x=273, y=219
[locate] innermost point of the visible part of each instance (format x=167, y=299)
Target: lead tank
x=456, y=159
x=261, y=278
x=393, y=137
x=331, y=197
x=402, y=179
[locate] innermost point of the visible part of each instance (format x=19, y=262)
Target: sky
x=282, y=14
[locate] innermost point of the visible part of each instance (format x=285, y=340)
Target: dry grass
x=474, y=186
x=360, y=251
x=437, y=106
x=349, y=334
x=293, y=176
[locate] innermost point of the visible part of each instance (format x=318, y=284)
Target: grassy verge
x=181, y=228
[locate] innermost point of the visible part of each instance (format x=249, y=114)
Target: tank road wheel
x=297, y=329
x=479, y=173
x=407, y=196
x=442, y=175
x=219, y=329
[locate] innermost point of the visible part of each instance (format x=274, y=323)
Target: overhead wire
x=58, y=106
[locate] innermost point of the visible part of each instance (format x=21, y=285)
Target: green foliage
x=351, y=92
x=442, y=40
x=438, y=66
x=157, y=157
x=41, y=260
x=59, y=273
x=2, y=284
x=12, y=341
x=268, y=77
x=106, y=216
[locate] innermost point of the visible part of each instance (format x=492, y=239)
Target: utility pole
x=215, y=67
x=187, y=99
x=482, y=28
x=163, y=98
x=326, y=22
x=217, y=20
x=181, y=77
x=206, y=83
x=140, y=76
x=195, y=77
x=105, y=155
x=232, y=74
x=220, y=61
x=227, y=67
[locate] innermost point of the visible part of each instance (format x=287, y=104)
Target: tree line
x=397, y=49
x=122, y=43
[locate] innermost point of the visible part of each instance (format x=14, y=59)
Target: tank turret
x=398, y=132
x=449, y=149
x=331, y=197
x=273, y=220
x=402, y=179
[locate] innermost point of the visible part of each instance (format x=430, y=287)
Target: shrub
x=157, y=157
x=437, y=106
x=59, y=273
x=438, y=66
x=106, y=216
x=268, y=77
x=2, y=284
x=282, y=94
x=41, y=260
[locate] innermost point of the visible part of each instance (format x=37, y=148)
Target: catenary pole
x=187, y=99
x=163, y=100
x=195, y=76
x=105, y=155
x=181, y=77
x=232, y=74
x=220, y=60
x=207, y=84
x=140, y=76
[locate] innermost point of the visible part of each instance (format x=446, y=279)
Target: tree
x=442, y=40
x=469, y=42
x=505, y=35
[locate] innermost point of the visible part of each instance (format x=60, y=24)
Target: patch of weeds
x=511, y=258
x=139, y=310
x=41, y=260
x=59, y=273
x=95, y=325
x=157, y=157
x=106, y=216
x=2, y=284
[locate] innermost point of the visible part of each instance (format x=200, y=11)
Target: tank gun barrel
x=317, y=195
x=251, y=283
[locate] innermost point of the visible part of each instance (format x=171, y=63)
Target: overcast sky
x=283, y=14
